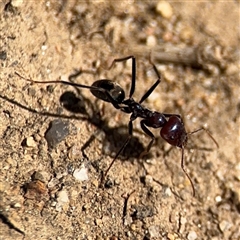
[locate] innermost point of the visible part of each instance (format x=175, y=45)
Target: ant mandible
x=172, y=127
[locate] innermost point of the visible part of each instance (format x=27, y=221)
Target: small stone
x=153, y=232
x=148, y=179
x=224, y=225
x=218, y=199
x=192, y=235
x=170, y=236
x=16, y=3
x=186, y=34
x=30, y=142
x=183, y=222
x=17, y=205
x=62, y=197
x=168, y=192
x=3, y=55
x=151, y=41
x=169, y=76
x=133, y=227
x=165, y=9
x=57, y=131
x=81, y=174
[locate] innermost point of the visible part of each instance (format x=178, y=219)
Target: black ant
x=172, y=126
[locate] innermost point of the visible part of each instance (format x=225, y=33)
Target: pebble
x=170, y=236
x=62, y=197
x=17, y=205
x=182, y=225
x=81, y=174
x=30, y=142
x=218, y=199
x=3, y=54
x=16, y=3
x=165, y=9
x=224, y=225
x=148, y=179
x=186, y=34
x=151, y=41
x=57, y=132
x=153, y=232
x=168, y=192
x=192, y=235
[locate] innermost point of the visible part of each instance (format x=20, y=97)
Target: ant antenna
x=186, y=173
x=182, y=160
x=208, y=133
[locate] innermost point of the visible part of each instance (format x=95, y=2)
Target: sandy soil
x=52, y=192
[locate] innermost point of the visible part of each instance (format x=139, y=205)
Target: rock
x=165, y=9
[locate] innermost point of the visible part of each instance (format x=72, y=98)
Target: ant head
x=108, y=91
x=174, y=132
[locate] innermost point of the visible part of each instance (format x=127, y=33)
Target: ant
x=172, y=126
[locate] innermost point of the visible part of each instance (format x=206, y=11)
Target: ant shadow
x=114, y=136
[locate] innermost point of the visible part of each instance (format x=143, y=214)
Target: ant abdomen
x=108, y=91
x=174, y=132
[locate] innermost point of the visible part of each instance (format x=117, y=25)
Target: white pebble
x=81, y=174
x=165, y=9
x=30, y=142
x=16, y=3
x=168, y=192
x=151, y=41
x=62, y=197
x=192, y=235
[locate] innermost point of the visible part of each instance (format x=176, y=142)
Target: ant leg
x=187, y=175
x=150, y=134
x=151, y=89
x=120, y=60
x=208, y=133
x=130, y=131
x=146, y=95
x=132, y=89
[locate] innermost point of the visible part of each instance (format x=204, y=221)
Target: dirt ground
x=49, y=180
